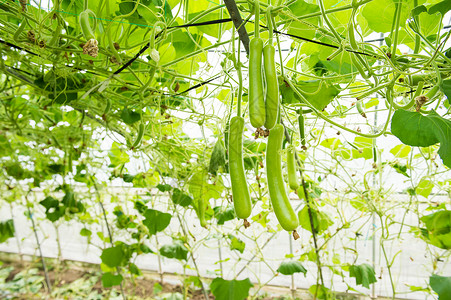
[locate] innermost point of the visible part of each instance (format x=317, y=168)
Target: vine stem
x=326, y=19
x=238, y=22
x=396, y=29
x=237, y=64
x=204, y=290
x=110, y=235
x=19, y=248
x=46, y=274
x=257, y=19
x=310, y=214
x=383, y=238
x=319, y=114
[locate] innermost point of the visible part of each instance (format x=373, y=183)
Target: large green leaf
x=383, y=19
x=230, y=289
x=321, y=221
x=424, y=188
x=117, y=155
x=415, y=129
x=445, y=86
x=441, y=7
x=441, y=285
x=438, y=226
x=109, y=279
x=180, y=198
x=364, y=274
x=156, y=220
x=6, y=230
x=291, y=267
x=321, y=292
x=53, y=211
x=115, y=256
x=175, y=250
x=316, y=92
x=129, y=116
x=5, y=146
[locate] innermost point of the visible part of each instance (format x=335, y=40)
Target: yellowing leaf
x=401, y=151
x=424, y=188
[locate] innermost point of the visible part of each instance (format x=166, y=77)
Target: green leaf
x=429, y=23
x=53, y=211
x=441, y=7
x=300, y=8
x=331, y=143
x=236, y=244
x=130, y=117
x=5, y=146
x=401, y=151
x=212, y=30
x=382, y=21
x=6, y=230
x=175, y=250
x=109, y=279
x=146, y=180
x=418, y=10
x=203, y=191
x=321, y=292
x=217, y=159
x=156, y=220
x=224, y=215
x=365, y=147
x=194, y=280
x=424, y=188
x=438, y=226
x=113, y=256
x=134, y=269
x=85, y=232
x=291, y=267
x=164, y=187
x=441, y=285
x=401, y=169
x=261, y=218
x=230, y=289
x=180, y=198
x=117, y=155
x=128, y=178
x=321, y=221
x=415, y=129
x=364, y=274
x=316, y=92
x=445, y=86
x=302, y=28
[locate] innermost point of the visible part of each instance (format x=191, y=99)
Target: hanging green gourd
x=256, y=98
x=272, y=86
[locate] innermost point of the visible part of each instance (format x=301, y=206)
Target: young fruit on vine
x=240, y=191
x=301, y=122
x=276, y=186
x=91, y=47
x=140, y=135
x=293, y=181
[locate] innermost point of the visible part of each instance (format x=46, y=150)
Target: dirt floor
x=62, y=275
